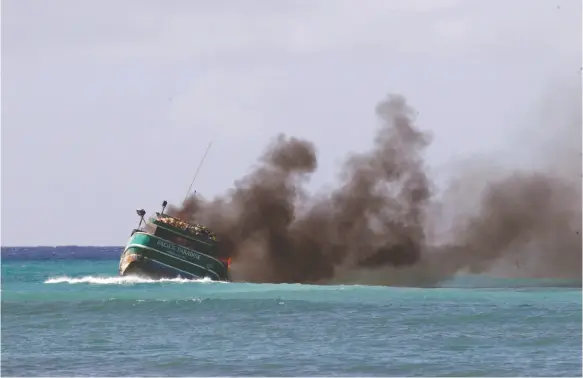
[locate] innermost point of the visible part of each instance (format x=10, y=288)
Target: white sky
x=108, y=106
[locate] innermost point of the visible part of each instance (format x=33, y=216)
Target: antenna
x=141, y=213
x=196, y=174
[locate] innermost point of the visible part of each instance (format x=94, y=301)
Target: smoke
x=375, y=226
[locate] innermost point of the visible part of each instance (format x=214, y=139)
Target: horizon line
x=61, y=245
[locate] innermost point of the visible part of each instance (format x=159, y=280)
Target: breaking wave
x=121, y=280
x=461, y=281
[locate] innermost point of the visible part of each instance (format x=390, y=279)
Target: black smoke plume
x=375, y=226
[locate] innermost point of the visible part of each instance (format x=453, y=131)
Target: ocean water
x=66, y=313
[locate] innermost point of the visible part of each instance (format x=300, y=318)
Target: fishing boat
x=168, y=247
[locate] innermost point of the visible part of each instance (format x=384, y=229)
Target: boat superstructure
x=168, y=247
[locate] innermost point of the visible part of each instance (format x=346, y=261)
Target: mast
x=198, y=169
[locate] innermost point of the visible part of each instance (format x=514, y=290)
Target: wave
x=121, y=280
x=459, y=282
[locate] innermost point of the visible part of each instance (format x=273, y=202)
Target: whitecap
x=121, y=280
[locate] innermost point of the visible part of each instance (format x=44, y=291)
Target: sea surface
x=65, y=312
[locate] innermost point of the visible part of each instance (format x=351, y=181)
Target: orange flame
x=226, y=261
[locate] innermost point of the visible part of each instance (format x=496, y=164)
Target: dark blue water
x=66, y=313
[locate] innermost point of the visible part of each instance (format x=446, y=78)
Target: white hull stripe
x=172, y=267
x=169, y=255
x=192, y=250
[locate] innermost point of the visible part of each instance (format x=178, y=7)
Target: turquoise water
x=70, y=315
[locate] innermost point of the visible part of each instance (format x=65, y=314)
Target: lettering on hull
x=177, y=249
x=167, y=253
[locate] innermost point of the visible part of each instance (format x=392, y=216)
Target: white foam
x=121, y=280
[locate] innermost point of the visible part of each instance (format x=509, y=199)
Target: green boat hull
x=153, y=257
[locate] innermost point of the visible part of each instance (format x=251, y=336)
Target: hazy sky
x=108, y=106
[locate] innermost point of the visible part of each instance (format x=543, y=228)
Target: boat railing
x=193, y=229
